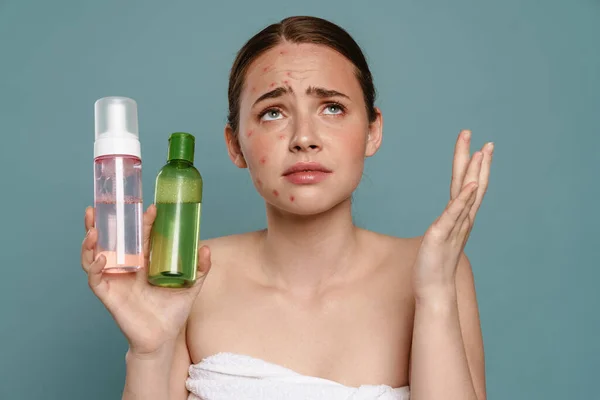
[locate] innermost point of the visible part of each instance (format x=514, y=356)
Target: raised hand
x=444, y=241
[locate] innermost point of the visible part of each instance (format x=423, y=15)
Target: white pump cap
x=116, y=127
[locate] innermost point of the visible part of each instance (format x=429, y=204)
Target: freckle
x=250, y=132
x=253, y=89
x=282, y=52
x=263, y=160
x=276, y=193
x=292, y=198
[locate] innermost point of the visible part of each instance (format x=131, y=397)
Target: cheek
x=351, y=143
x=261, y=148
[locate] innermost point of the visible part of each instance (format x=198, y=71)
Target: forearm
x=148, y=377
x=439, y=366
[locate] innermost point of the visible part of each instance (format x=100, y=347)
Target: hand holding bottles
x=147, y=274
x=149, y=316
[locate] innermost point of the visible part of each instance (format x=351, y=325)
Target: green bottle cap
x=181, y=147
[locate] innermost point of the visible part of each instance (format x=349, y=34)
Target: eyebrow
x=323, y=93
x=311, y=91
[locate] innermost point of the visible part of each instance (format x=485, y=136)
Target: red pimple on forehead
x=286, y=82
x=263, y=160
x=276, y=193
x=289, y=74
x=282, y=52
x=272, y=84
x=268, y=68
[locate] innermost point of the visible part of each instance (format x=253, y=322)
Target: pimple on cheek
x=259, y=182
x=249, y=133
x=263, y=160
x=292, y=198
x=275, y=193
x=281, y=137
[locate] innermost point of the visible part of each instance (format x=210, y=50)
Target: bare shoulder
x=223, y=244
x=404, y=250
x=227, y=251
x=227, y=254
x=394, y=250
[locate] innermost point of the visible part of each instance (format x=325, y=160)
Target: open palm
x=444, y=241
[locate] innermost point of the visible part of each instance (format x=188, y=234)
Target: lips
x=306, y=167
x=306, y=173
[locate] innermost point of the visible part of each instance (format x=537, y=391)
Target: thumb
x=204, y=264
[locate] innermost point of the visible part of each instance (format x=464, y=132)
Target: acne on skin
x=285, y=75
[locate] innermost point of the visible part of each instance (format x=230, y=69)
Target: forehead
x=310, y=63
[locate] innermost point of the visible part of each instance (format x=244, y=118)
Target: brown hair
x=300, y=29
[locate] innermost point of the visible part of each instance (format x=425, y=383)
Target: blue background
x=524, y=74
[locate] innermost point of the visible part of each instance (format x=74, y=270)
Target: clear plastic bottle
x=118, y=185
x=176, y=229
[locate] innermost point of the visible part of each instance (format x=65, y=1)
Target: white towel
x=229, y=376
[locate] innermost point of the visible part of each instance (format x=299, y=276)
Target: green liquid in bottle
x=176, y=229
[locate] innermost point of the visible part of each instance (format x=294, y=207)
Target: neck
x=303, y=253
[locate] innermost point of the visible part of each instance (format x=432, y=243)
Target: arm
x=160, y=376
x=447, y=353
x=447, y=360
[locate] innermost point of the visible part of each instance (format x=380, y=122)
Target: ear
x=375, y=134
x=233, y=147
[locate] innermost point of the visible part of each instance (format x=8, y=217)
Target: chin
x=304, y=205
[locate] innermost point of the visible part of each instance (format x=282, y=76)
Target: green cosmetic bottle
x=176, y=230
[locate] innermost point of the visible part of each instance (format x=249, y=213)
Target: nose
x=305, y=138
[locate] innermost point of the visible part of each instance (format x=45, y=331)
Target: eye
x=334, y=109
x=271, y=114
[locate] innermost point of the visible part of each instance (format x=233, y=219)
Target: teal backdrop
x=522, y=73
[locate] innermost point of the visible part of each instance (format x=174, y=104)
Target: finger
x=95, y=281
x=446, y=223
x=149, y=217
x=89, y=218
x=460, y=163
x=472, y=174
x=204, y=261
x=464, y=214
x=87, y=249
x=484, y=176
x=204, y=265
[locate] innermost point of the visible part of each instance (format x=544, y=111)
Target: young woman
x=311, y=307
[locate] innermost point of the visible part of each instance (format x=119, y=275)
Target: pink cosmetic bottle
x=118, y=185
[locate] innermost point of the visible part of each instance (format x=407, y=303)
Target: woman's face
x=303, y=130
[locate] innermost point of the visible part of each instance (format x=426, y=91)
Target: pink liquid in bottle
x=118, y=185
x=118, y=212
